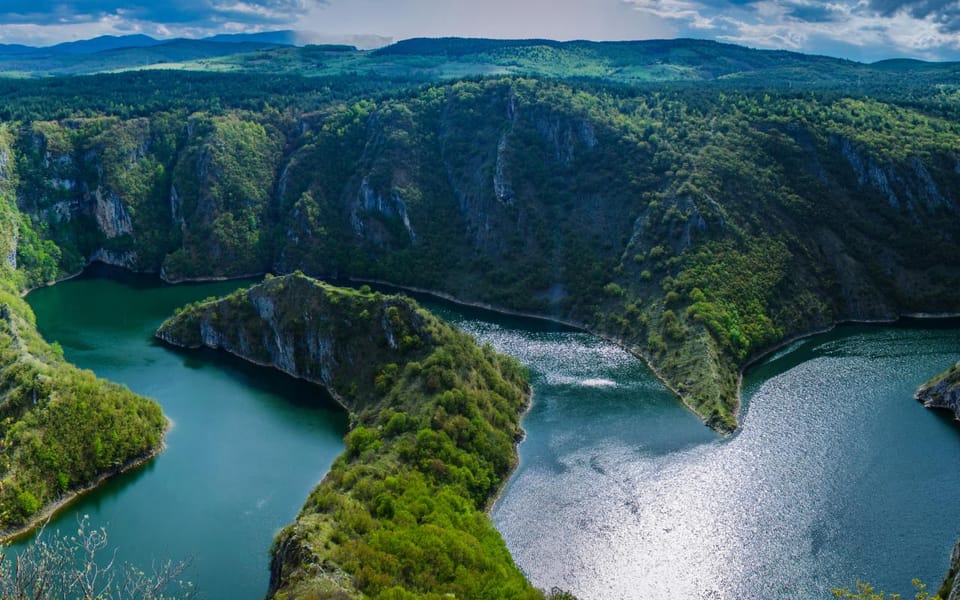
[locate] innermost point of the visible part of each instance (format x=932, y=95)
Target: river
x=247, y=446
x=837, y=474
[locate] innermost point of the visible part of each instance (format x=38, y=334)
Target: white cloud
x=809, y=25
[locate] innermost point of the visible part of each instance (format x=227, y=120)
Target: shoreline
x=622, y=344
x=575, y=325
x=216, y=279
x=767, y=352
x=44, y=516
x=581, y=327
x=23, y=294
x=494, y=498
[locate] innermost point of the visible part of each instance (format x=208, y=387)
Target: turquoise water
x=837, y=474
x=247, y=446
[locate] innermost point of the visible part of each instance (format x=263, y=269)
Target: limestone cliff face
x=943, y=391
x=333, y=337
x=697, y=240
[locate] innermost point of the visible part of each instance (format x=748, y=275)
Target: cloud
x=860, y=29
x=866, y=29
x=54, y=20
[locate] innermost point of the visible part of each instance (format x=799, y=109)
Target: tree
x=60, y=566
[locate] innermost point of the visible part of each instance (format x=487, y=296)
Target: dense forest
x=401, y=513
x=698, y=226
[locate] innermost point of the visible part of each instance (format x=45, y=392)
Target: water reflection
x=837, y=473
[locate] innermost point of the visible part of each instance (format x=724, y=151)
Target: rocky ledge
x=943, y=391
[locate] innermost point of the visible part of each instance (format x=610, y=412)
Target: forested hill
x=435, y=419
x=445, y=59
x=697, y=225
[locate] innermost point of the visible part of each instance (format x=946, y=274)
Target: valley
x=696, y=204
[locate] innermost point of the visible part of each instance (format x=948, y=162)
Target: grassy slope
x=435, y=418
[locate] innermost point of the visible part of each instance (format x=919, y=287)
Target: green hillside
x=697, y=203
x=61, y=429
x=434, y=423
x=697, y=227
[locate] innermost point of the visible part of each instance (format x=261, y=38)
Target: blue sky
x=858, y=29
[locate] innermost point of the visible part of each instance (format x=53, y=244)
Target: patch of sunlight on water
x=837, y=473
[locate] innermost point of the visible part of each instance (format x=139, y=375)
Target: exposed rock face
x=370, y=204
x=950, y=590
x=943, y=391
x=112, y=216
x=126, y=259
x=307, y=329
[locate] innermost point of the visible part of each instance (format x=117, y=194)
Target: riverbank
x=41, y=518
x=24, y=293
x=163, y=277
x=527, y=406
x=752, y=361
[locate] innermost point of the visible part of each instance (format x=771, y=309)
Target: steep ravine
x=697, y=231
x=434, y=422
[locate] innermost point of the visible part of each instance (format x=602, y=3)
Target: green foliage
x=865, y=591
x=60, y=428
x=402, y=512
x=562, y=185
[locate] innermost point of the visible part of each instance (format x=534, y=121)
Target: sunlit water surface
x=837, y=474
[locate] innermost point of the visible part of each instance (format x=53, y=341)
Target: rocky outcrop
x=111, y=214
x=307, y=329
x=943, y=391
x=950, y=589
x=370, y=209
x=434, y=419
x=125, y=259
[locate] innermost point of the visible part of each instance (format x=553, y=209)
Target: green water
x=838, y=473
x=247, y=446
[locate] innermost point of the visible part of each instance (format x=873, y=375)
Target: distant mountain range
x=433, y=59
x=116, y=53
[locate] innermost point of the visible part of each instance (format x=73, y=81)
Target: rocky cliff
x=950, y=590
x=434, y=423
x=335, y=337
x=697, y=229
x=943, y=391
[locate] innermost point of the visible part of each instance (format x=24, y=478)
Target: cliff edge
x=434, y=422
x=943, y=391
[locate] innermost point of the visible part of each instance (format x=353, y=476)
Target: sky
x=857, y=29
